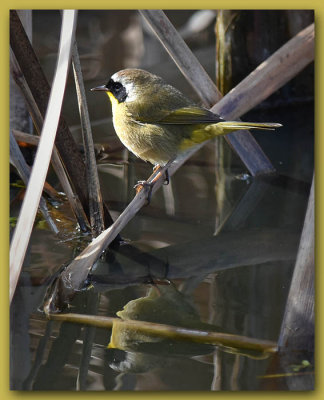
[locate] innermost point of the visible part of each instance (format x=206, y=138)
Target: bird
x=157, y=122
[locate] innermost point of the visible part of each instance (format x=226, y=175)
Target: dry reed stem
x=33, y=193
x=96, y=212
x=40, y=89
x=180, y=53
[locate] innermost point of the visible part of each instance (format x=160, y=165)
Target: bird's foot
x=147, y=187
x=156, y=282
x=167, y=178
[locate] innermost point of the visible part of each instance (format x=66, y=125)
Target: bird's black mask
x=118, y=90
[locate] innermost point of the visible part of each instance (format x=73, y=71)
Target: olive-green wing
x=182, y=116
x=164, y=104
x=190, y=115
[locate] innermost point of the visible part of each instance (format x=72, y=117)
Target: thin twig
x=17, y=159
x=39, y=356
x=87, y=345
x=33, y=193
x=20, y=136
x=95, y=199
x=33, y=141
x=171, y=332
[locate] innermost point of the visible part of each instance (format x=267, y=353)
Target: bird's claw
x=167, y=178
x=146, y=186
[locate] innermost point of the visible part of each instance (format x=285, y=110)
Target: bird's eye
x=117, y=86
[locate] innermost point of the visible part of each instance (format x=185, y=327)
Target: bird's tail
x=229, y=126
x=222, y=128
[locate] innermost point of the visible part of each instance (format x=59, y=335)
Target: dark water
x=226, y=241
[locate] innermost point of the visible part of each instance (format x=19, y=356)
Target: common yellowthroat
x=157, y=122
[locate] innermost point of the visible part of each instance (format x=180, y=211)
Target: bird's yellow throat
x=113, y=100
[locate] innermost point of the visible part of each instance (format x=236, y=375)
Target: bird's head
x=129, y=85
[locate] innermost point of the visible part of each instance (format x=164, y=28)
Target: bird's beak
x=100, y=88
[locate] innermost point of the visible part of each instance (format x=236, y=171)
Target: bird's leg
x=156, y=168
x=156, y=282
x=148, y=185
x=167, y=177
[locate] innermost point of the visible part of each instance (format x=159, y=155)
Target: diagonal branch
x=269, y=76
x=76, y=272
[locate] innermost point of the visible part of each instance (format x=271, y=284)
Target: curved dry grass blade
x=29, y=207
x=297, y=328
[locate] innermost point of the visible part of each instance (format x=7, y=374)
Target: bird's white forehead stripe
x=115, y=77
